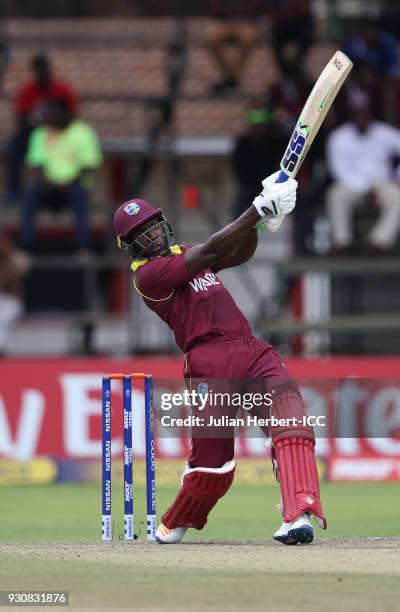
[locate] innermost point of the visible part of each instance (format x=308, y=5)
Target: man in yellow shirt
x=60, y=154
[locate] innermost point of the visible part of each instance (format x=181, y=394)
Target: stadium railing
x=150, y=335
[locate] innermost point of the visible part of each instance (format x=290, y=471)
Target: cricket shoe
x=170, y=536
x=299, y=531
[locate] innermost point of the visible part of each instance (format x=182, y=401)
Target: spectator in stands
x=257, y=151
x=376, y=49
x=14, y=264
x=360, y=157
x=29, y=109
x=62, y=153
x=231, y=40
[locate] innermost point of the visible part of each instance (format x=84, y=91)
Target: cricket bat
x=314, y=112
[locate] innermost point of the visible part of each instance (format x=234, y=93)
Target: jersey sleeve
x=159, y=277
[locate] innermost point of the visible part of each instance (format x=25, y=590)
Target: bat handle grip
x=282, y=178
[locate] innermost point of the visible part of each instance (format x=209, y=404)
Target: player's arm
x=243, y=251
x=275, y=201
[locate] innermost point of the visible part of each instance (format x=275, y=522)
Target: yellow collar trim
x=136, y=264
x=175, y=250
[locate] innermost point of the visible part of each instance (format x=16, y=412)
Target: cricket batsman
x=218, y=343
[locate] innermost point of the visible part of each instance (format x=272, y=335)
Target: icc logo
x=132, y=208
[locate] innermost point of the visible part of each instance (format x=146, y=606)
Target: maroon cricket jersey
x=197, y=308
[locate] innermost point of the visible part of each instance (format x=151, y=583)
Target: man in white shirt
x=360, y=157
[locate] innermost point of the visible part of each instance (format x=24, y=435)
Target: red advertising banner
x=363, y=468
x=53, y=407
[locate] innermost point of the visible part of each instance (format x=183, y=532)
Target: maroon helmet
x=130, y=216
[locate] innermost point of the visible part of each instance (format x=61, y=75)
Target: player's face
x=149, y=238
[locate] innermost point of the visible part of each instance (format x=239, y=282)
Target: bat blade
x=314, y=112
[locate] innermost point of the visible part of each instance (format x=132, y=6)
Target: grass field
x=72, y=511
x=50, y=540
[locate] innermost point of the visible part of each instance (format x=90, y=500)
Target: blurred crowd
x=349, y=201
x=350, y=178
x=53, y=154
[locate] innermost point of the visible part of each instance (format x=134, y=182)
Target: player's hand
x=273, y=223
x=276, y=198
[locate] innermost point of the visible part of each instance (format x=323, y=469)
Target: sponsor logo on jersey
x=132, y=208
x=202, y=283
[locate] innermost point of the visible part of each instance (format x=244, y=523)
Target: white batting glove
x=276, y=198
x=273, y=223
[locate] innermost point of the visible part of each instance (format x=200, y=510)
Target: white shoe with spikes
x=299, y=531
x=170, y=536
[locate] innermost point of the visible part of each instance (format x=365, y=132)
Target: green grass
x=259, y=576
x=72, y=511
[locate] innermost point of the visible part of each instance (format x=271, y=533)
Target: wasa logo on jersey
x=202, y=283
